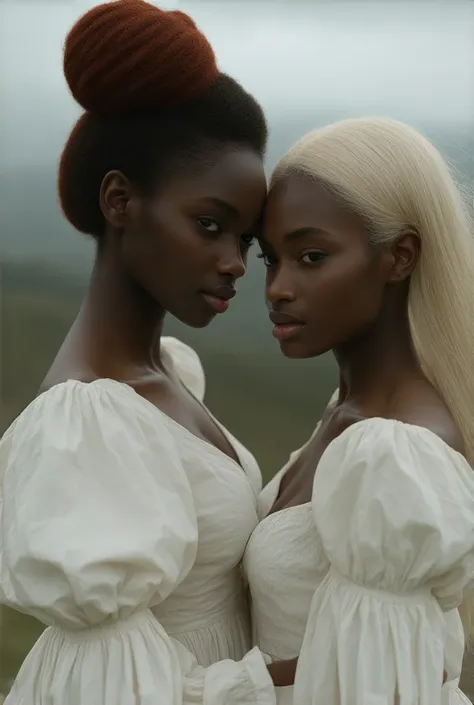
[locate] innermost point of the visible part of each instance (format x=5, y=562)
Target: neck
x=119, y=322
x=380, y=359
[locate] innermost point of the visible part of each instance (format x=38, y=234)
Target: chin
x=202, y=324
x=296, y=350
x=196, y=319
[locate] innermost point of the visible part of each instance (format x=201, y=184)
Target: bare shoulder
x=419, y=405
x=446, y=429
x=431, y=413
x=53, y=378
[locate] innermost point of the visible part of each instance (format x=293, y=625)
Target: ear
x=405, y=253
x=115, y=196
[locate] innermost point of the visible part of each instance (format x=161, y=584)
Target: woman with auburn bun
x=126, y=506
x=370, y=525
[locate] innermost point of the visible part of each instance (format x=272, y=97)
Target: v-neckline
x=237, y=460
x=282, y=472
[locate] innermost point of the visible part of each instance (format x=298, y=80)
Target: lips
x=218, y=298
x=284, y=319
x=224, y=292
x=285, y=326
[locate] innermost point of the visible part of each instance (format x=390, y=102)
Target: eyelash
x=320, y=256
x=264, y=257
x=247, y=239
x=205, y=218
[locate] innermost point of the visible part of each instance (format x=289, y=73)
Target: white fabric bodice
x=284, y=562
x=124, y=533
x=208, y=611
x=354, y=582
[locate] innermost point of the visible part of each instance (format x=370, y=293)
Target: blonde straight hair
x=395, y=179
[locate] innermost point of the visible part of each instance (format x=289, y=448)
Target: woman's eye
x=209, y=224
x=312, y=257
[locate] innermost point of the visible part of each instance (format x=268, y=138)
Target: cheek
x=169, y=238
x=153, y=255
x=350, y=290
x=142, y=240
x=267, y=277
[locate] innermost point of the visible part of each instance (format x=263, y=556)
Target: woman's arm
x=394, y=508
x=97, y=527
x=283, y=672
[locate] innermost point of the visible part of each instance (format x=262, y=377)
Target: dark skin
x=159, y=254
x=351, y=298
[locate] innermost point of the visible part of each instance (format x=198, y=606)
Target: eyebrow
x=302, y=232
x=297, y=234
x=224, y=205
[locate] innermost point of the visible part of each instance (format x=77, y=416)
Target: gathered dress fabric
x=363, y=582
x=123, y=533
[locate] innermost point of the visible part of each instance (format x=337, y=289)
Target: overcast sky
x=412, y=60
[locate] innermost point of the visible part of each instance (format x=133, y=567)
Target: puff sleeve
x=394, y=507
x=98, y=526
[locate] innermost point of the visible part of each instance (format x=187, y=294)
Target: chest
x=176, y=402
x=297, y=483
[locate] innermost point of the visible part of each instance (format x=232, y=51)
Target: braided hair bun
x=128, y=55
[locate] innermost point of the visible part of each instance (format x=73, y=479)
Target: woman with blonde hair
x=369, y=528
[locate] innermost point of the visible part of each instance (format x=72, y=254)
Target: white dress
x=362, y=583
x=124, y=533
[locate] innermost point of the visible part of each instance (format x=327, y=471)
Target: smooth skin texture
x=181, y=251
x=329, y=289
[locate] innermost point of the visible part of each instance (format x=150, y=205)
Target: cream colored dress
x=124, y=533
x=363, y=581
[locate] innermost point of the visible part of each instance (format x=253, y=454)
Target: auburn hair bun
x=128, y=55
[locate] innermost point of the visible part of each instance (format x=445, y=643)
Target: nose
x=232, y=263
x=279, y=286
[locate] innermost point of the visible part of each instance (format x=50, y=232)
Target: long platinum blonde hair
x=395, y=179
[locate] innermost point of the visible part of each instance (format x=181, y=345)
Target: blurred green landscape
x=270, y=403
